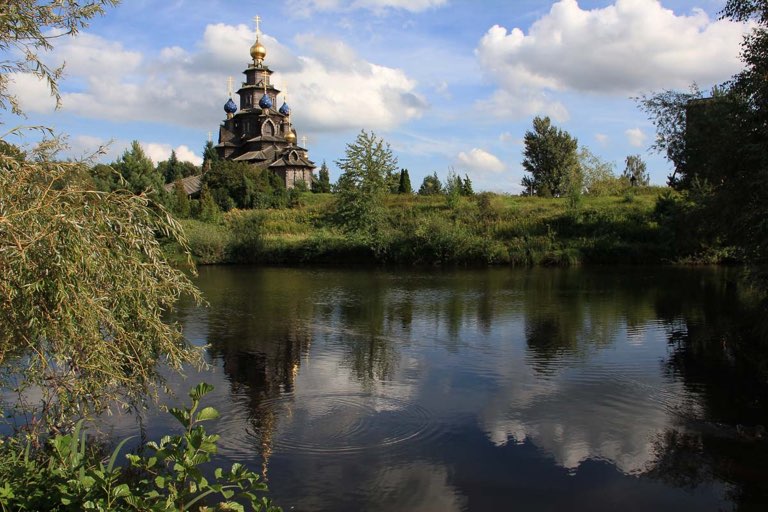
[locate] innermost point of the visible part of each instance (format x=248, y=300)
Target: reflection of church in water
x=258, y=132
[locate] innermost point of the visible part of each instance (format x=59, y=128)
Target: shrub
x=207, y=242
x=69, y=473
x=246, y=231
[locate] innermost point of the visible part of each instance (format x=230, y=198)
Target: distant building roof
x=191, y=184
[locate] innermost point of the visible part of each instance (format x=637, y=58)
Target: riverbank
x=486, y=229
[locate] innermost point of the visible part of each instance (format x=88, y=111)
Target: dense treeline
x=719, y=148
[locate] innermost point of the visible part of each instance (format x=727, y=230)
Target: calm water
x=587, y=389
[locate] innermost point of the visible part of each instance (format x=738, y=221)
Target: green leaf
x=160, y=482
x=208, y=413
x=113, y=458
x=200, y=391
x=181, y=415
x=122, y=491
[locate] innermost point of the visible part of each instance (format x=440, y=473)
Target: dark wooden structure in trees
x=260, y=133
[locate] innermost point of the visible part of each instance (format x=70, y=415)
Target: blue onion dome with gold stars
x=285, y=109
x=265, y=101
x=230, y=107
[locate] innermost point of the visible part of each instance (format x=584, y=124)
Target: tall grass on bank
x=486, y=229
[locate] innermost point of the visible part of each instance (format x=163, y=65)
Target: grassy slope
x=426, y=230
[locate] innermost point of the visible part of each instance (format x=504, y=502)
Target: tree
x=466, y=187
x=170, y=169
x=636, y=168
x=237, y=185
x=551, y=157
x=453, y=183
x=367, y=169
x=404, y=186
x=84, y=293
x=138, y=170
x=30, y=26
x=431, y=185
x=207, y=209
x=598, y=177
x=181, y=204
x=323, y=183
x=209, y=156
x=719, y=145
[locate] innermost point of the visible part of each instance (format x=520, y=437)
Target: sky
x=449, y=84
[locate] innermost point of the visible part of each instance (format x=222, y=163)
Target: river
x=628, y=388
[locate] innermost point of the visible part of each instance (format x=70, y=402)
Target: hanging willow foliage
x=84, y=295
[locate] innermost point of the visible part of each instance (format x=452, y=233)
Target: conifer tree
x=137, y=170
x=181, y=204
x=324, y=179
x=172, y=168
x=209, y=156
x=466, y=187
x=405, y=183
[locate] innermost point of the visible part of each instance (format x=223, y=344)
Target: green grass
x=417, y=230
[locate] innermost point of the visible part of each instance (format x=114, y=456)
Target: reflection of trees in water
x=372, y=322
x=262, y=322
x=717, y=351
x=568, y=312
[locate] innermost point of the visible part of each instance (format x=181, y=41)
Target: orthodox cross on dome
x=257, y=19
x=229, y=86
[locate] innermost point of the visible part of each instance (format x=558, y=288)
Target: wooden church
x=257, y=131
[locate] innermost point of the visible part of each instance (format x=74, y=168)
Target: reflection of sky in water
x=419, y=392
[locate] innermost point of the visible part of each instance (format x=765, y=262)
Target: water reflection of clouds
x=607, y=407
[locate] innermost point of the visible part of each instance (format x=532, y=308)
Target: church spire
x=230, y=107
x=258, y=51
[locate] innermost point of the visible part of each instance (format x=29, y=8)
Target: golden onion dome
x=290, y=137
x=258, y=52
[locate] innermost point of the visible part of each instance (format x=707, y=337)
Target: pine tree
x=466, y=187
x=137, y=169
x=405, y=183
x=181, y=204
x=431, y=186
x=209, y=156
x=324, y=179
x=172, y=168
x=208, y=209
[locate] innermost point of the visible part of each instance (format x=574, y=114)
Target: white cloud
x=601, y=138
x=159, y=152
x=332, y=88
x=522, y=103
x=33, y=94
x=636, y=137
x=335, y=89
x=88, y=54
x=624, y=48
x=480, y=161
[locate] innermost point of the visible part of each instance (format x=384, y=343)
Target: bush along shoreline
x=641, y=226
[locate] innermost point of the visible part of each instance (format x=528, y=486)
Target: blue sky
x=450, y=84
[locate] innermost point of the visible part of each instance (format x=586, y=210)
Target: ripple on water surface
x=339, y=423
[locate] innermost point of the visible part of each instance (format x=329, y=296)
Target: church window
x=268, y=128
